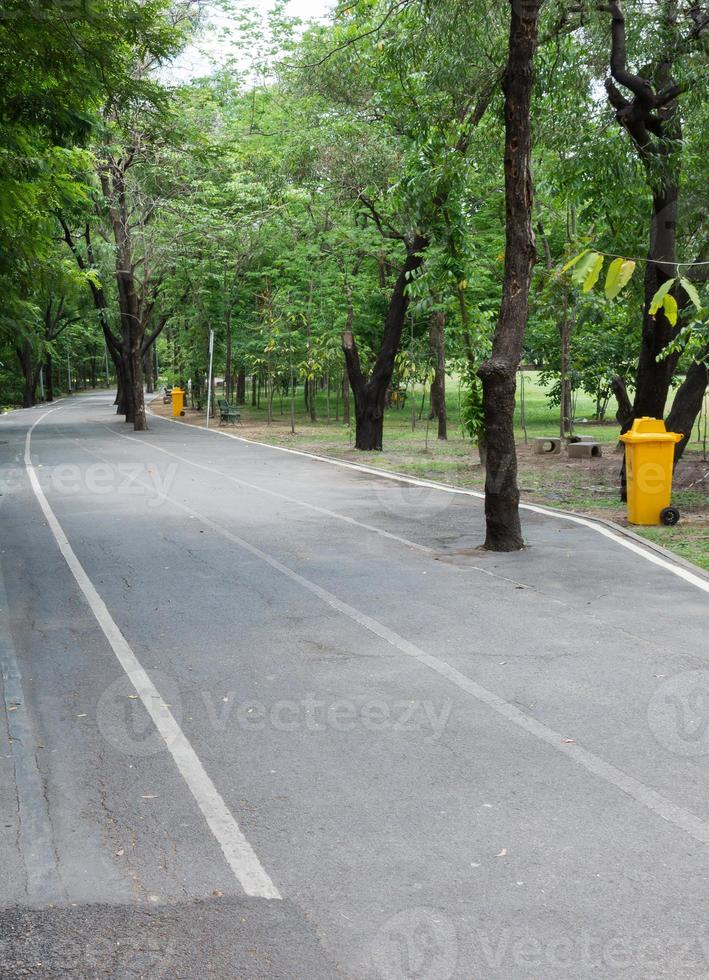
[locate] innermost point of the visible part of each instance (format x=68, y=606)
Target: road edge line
x=238, y=852
x=655, y=554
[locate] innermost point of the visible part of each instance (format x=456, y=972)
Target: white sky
x=200, y=58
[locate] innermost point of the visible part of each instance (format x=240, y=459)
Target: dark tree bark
x=309, y=390
x=688, y=403
x=651, y=117
x=566, y=394
x=345, y=375
x=345, y=397
x=499, y=372
x=30, y=373
x=438, y=384
x=370, y=393
x=148, y=373
x=49, y=377
x=117, y=346
x=624, y=415
x=241, y=387
x=228, y=368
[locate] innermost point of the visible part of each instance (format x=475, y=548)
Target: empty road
x=266, y=716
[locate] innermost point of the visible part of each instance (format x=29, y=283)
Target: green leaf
x=594, y=275
x=671, y=310
x=691, y=291
x=572, y=262
x=620, y=272
x=584, y=268
x=659, y=297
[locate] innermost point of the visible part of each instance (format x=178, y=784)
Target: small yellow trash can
x=649, y=465
x=178, y=402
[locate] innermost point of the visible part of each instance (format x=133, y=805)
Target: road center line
x=238, y=852
x=407, y=542
x=593, y=618
x=638, y=549
x=274, y=493
x=661, y=806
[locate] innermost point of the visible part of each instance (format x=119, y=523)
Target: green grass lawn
x=400, y=430
x=586, y=486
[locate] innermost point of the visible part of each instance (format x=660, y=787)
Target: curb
x=634, y=542
x=32, y=408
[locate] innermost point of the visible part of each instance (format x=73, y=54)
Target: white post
x=68, y=372
x=209, y=379
x=41, y=383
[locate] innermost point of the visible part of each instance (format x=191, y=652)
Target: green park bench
x=227, y=413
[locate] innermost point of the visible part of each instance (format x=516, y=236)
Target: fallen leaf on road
x=503, y=853
x=218, y=894
x=148, y=797
x=569, y=741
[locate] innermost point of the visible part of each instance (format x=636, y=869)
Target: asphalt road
x=265, y=716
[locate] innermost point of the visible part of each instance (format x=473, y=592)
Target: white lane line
x=684, y=573
x=329, y=513
x=660, y=805
x=238, y=852
x=595, y=619
x=274, y=493
x=37, y=840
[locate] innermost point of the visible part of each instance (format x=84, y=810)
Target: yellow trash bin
x=649, y=465
x=178, y=402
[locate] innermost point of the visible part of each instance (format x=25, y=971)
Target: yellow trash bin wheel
x=669, y=516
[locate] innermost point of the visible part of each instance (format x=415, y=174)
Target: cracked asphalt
x=449, y=764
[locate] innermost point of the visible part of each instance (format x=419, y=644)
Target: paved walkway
x=272, y=717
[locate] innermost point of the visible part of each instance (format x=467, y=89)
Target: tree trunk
x=652, y=120
x=688, y=404
x=124, y=394
x=140, y=423
x=370, y=394
x=148, y=373
x=499, y=372
x=345, y=398
x=29, y=375
x=654, y=376
x=312, y=385
x=369, y=421
x=241, y=387
x=49, y=377
x=438, y=384
x=565, y=426
x=228, y=369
